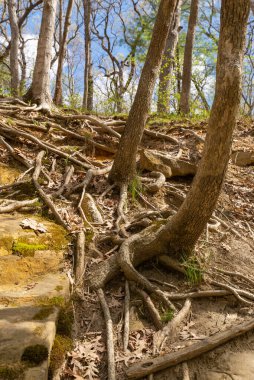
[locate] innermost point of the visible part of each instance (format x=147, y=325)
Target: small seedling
x=135, y=187
x=193, y=271
x=167, y=316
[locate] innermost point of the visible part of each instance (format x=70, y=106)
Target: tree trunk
x=40, y=90
x=187, y=62
x=58, y=97
x=252, y=6
x=181, y=232
x=88, y=76
x=167, y=65
x=14, y=51
x=124, y=166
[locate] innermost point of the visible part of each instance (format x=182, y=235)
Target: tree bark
x=14, y=51
x=252, y=6
x=40, y=90
x=124, y=166
x=167, y=65
x=88, y=76
x=187, y=63
x=180, y=233
x=58, y=97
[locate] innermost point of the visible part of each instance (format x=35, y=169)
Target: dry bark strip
x=161, y=362
x=110, y=336
x=80, y=262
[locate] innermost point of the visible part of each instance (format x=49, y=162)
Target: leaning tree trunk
x=40, y=90
x=14, y=51
x=124, y=166
x=88, y=77
x=167, y=65
x=58, y=97
x=181, y=232
x=252, y=6
x=187, y=62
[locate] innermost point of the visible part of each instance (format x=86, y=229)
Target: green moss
x=34, y=355
x=89, y=236
x=6, y=242
x=54, y=301
x=58, y=288
x=62, y=344
x=26, y=249
x=12, y=372
x=43, y=313
x=65, y=321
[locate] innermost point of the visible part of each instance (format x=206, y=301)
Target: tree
x=187, y=63
x=252, y=6
x=14, y=50
x=88, y=76
x=179, y=234
x=40, y=89
x=167, y=65
x=124, y=166
x=58, y=97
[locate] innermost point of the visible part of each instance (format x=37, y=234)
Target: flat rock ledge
x=33, y=288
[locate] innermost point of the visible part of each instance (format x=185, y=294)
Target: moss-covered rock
x=35, y=355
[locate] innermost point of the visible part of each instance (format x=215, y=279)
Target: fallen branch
x=161, y=362
x=110, y=336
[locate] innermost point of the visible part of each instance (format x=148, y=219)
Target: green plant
x=135, y=187
x=193, y=271
x=167, y=316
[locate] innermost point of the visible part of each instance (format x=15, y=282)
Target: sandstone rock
x=167, y=165
x=241, y=158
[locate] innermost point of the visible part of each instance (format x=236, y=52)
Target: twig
x=110, y=336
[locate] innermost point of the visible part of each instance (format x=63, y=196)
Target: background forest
x=101, y=46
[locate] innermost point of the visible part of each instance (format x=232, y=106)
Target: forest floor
x=79, y=150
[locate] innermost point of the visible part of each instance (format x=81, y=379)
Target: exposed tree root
x=158, y=184
x=110, y=336
x=41, y=144
x=120, y=210
x=170, y=330
x=16, y=205
x=185, y=369
x=154, y=314
x=67, y=178
x=43, y=195
x=18, y=156
x=126, y=328
x=161, y=362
